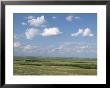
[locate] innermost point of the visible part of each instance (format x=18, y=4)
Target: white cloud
x=31, y=48
x=87, y=32
x=60, y=49
x=51, y=31
x=73, y=47
x=37, y=21
x=30, y=17
x=86, y=48
x=83, y=46
x=17, y=44
x=23, y=23
x=80, y=31
x=83, y=32
x=28, y=47
x=69, y=18
x=31, y=32
x=53, y=17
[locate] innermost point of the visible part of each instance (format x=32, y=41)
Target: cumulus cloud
x=17, y=44
x=51, y=31
x=83, y=32
x=80, y=31
x=71, y=18
x=23, y=23
x=37, y=21
x=87, y=32
x=31, y=32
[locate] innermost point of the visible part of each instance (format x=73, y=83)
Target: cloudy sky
x=55, y=34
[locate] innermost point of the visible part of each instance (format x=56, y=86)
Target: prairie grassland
x=54, y=66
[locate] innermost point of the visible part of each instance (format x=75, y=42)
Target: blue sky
x=55, y=34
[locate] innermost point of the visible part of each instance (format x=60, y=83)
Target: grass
x=54, y=66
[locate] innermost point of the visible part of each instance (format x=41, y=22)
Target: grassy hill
x=54, y=66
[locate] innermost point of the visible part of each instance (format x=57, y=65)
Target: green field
x=54, y=66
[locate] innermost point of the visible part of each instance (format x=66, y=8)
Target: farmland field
x=54, y=66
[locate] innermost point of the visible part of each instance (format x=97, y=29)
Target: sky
x=55, y=34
